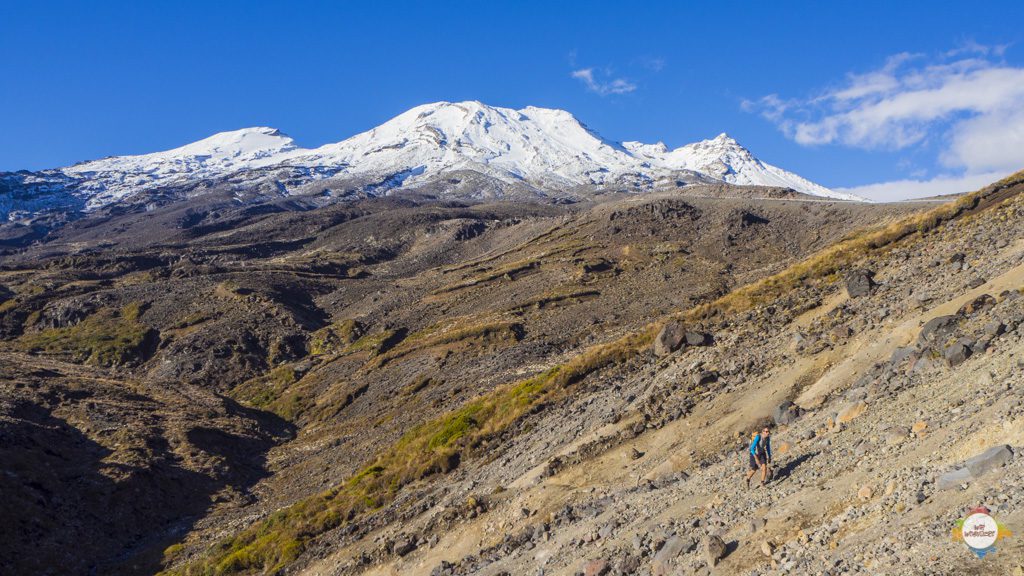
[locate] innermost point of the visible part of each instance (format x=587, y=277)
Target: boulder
x=976, y=466
x=982, y=303
x=404, y=545
x=785, y=413
x=995, y=328
x=988, y=460
x=919, y=427
x=694, y=338
x=714, y=549
x=704, y=378
x=938, y=329
x=662, y=563
x=952, y=479
x=851, y=411
x=859, y=283
x=669, y=339
x=956, y=353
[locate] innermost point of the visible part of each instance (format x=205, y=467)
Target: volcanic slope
x=878, y=356
x=316, y=340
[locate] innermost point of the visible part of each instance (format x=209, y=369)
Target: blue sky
x=846, y=94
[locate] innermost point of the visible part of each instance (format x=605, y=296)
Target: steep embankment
x=317, y=340
x=631, y=463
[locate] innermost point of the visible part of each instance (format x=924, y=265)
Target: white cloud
x=913, y=188
x=612, y=86
x=967, y=103
x=988, y=141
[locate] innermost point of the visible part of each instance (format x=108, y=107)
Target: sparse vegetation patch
x=110, y=337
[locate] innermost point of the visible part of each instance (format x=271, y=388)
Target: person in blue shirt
x=760, y=455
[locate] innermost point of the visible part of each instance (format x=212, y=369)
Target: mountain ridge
x=546, y=150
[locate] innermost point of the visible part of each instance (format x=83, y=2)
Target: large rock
x=859, y=283
x=956, y=353
x=851, y=411
x=976, y=466
x=694, y=338
x=662, y=563
x=938, y=329
x=952, y=479
x=785, y=413
x=982, y=303
x=669, y=339
x=714, y=549
x=989, y=460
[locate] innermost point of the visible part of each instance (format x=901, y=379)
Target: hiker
x=760, y=455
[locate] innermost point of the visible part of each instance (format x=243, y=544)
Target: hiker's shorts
x=753, y=462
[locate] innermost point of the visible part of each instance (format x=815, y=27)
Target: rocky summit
x=437, y=384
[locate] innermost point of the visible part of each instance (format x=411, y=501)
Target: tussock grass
x=264, y=391
x=334, y=338
x=508, y=271
x=497, y=333
x=557, y=298
x=856, y=247
x=109, y=337
x=375, y=343
x=432, y=448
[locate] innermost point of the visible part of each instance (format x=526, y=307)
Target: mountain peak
x=547, y=150
x=724, y=138
x=242, y=141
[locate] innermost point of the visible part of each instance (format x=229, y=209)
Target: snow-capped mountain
x=543, y=149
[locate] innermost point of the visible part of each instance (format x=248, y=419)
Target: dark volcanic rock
x=786, y=413
x=957, y=353
x=982, y=303
x=694, y=338
x=859, y=283
x=670, y=339
x=989, y=460
x=714, y=549
x=938, y=329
